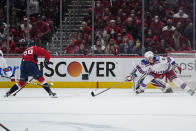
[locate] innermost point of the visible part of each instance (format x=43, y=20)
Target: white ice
x=115, y=110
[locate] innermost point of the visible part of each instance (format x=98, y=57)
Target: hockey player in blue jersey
x=157, y=67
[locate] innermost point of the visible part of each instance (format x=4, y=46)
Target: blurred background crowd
x=100, y=27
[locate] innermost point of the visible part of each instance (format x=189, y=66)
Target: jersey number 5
x=28, y=52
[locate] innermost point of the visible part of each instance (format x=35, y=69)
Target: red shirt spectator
x=180, y=16
x=35, y=34
x=12, y=47
x=167, y=31
x=71, y=48
x=156, y=25
x=112, y=29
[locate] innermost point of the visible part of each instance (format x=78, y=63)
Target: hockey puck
x=92, y=93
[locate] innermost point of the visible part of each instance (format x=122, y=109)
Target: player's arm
x=43, y=52
x=139, y=70
x=175, y=66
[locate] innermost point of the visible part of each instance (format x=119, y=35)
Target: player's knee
x=41, y=80
x=22, y=83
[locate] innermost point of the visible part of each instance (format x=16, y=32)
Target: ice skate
x=191, y=92
x=168, y=90
x=7, y=94
x=52, y=94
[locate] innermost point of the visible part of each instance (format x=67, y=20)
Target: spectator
x=137, y=49
x=160, y=47
x=83, y=50
x=181, y=16
x=150, y=40
x=177, y=41
x=111, y=47
x=22, y=46
x=3, y=32
x=98, y=10
x=35, y=34
x=184, y=47
x=99, y=48
x=131, y=28
x=156, y=25
x=112, y=28
x=188, y=32
x=45, y=30
x=25, y=28
x=71, y=48
x=124, y=33
x=126, y=46
x=168, y=30
x=85, y=29
x=34, y=8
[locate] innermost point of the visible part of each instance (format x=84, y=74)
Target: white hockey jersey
x=4, y=68
x=161, y=65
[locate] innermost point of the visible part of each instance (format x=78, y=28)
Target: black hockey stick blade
x=92, y=94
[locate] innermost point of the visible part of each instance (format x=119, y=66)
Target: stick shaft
x=4, y=127
x=22, y=87
x=108, y=89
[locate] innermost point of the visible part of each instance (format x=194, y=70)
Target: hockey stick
x=134, y=88
x=34, y=84
x=93, y=94
x=22, y=87
x=4, y=127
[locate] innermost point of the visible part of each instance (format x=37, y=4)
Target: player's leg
x=143, y=82
x=39, y=77
x=158, y=83
x=177, y=81
x=21, y=83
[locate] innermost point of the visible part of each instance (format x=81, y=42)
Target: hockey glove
x=46, y=62
x=130, y=77
x=177, y=68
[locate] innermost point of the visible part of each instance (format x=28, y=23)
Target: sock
x=46, y=87
x=14, y=88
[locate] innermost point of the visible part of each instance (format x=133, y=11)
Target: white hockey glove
x=130, y=77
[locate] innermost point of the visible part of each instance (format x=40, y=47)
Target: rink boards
x=92, y=72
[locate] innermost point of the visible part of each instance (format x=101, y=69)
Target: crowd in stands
x=43, y=17
x=168, y=26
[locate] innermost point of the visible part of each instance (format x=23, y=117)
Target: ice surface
x=114, y=110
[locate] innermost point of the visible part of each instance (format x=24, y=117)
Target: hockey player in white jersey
x=158, y=67
x=5, y=69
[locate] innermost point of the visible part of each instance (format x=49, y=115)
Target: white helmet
x=149, y=54
x=1, y=53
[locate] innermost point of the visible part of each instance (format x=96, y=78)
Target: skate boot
x=168, y=90
x=191, y=92
x=138, y=91
x=7, y=94
x=52, y=94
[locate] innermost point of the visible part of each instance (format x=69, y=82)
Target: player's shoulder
x=144, y=62
x=157, y=58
